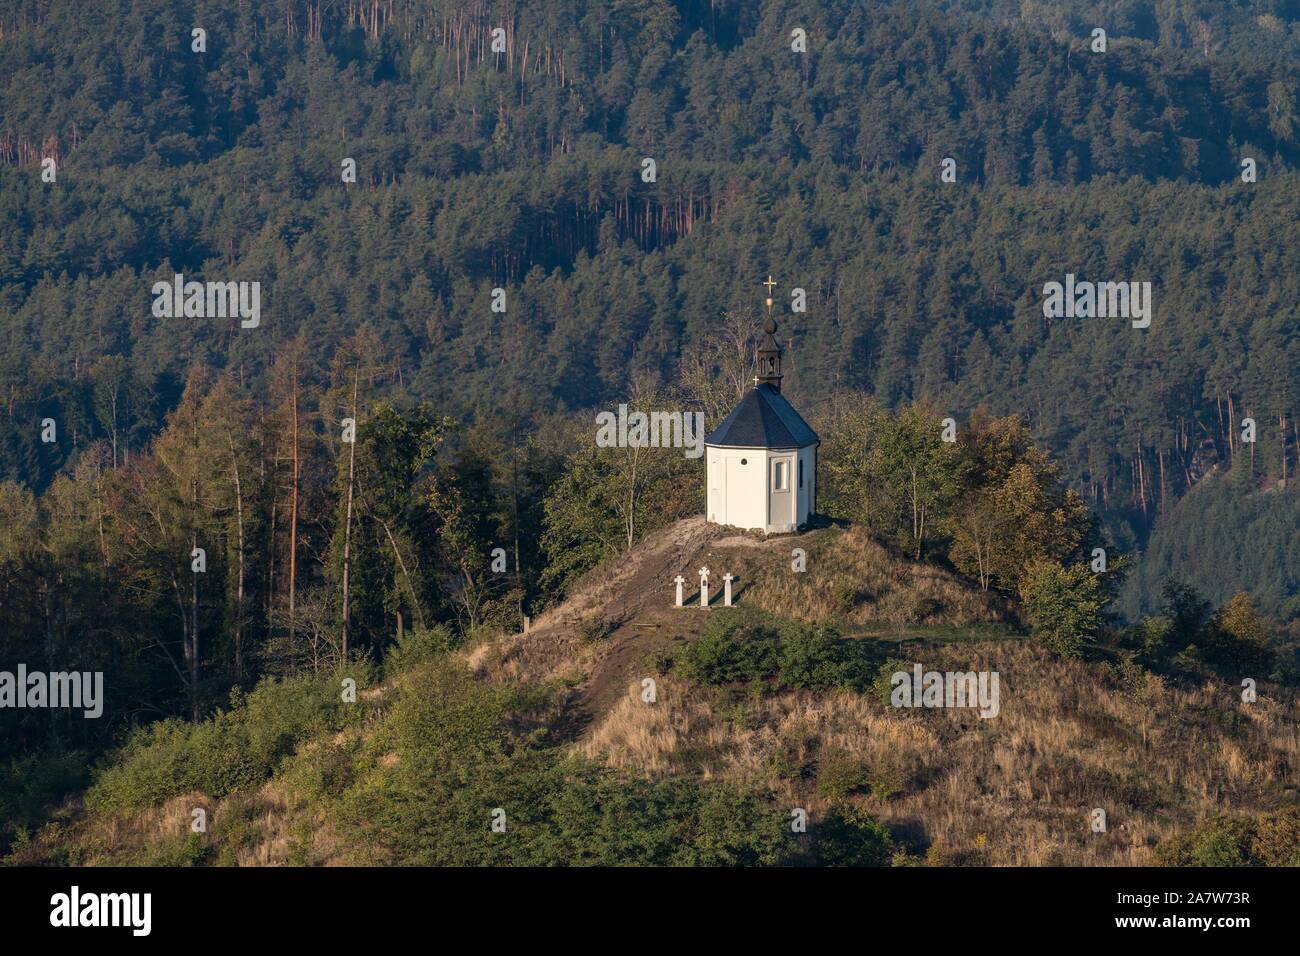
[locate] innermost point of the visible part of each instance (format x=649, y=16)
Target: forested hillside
x=437, y=332
x=521, y=170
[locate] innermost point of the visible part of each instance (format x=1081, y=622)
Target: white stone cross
x=726, y=588
x=680, y=581
x=704, y=586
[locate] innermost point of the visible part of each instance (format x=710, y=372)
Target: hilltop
x=552, y=727
x=622, y=616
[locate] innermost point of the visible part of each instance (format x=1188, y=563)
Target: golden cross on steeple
x=770, y=283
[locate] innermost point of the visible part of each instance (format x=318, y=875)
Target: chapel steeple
x=762, y=460
x=769, y=351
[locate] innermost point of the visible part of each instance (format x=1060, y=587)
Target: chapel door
x=780, y=492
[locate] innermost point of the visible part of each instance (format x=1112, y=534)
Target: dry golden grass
x=853, y=580
x=268, y=827
x=1016, y=789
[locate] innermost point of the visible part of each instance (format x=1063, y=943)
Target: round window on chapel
x=744, y=461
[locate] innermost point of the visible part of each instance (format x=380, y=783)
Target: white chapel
x=762, y=459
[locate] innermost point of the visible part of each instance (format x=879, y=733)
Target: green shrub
x=882, y=686
x=1223, y=841
x=887, y=781
x=30, y=785
x=188, y=850
x=817, y=659
x=461, y=752
x=231, y=751
x=851, y=837
x=234, y=829
x=731, y=650
x=732, y=828
x=1277, y=838
x=844, y=593
x=839, y=773
x=752, y=646
x=1272, y=839
x=418, y=646
x=327, y=771
x=1063, y=605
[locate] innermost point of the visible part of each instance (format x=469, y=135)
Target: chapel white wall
x=741, y=495
x=737, y=494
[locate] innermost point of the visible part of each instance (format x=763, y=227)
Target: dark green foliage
x=1063, y=605
x=188, y=850
x=882, y=686
x=607, y=499
x=235, y=750
x=991, y=502
x=734, y=648
x=839, y=773
x=1220, y=540
x=30, y=785
x=459, y=761
x=818, y=658
x=418, y=647
x=746, y=645
x=478, y=171
x=916, y=290
x=1189, y=635
x=848, y=836
x=1271, y=839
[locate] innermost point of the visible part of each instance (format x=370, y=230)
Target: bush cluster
x=747, y=645
x=234, y=750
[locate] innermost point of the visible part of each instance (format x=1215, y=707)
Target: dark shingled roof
x=763, y=419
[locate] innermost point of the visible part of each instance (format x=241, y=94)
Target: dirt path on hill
x=647, y=620
x=649, y=623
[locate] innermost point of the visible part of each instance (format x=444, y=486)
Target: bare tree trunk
x=293, y=509
x=239, y=592
x=270, y=560
x=113, y=410
x=188, y=648
x=1142, y=482
x=1250, y=414
x=514, y=492
x=1232, y=429
x=99, y=505
x=1281, y=424
x=415, y=601
x=1160, y=454
x=918, y=517
x=631, y=507
x=347, y=524
x=194, y=636
x=194, y=588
